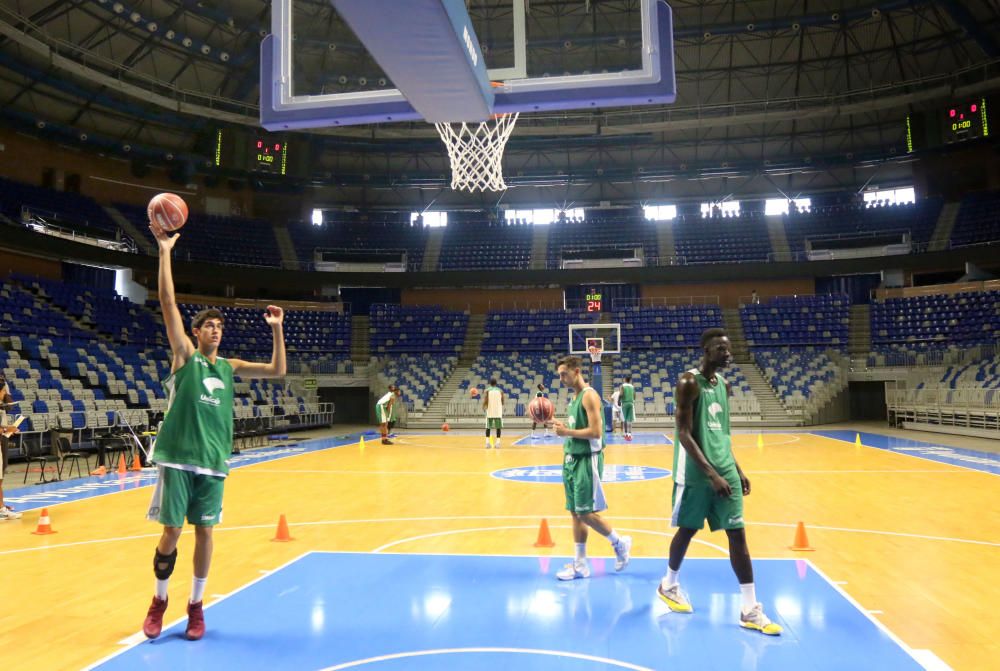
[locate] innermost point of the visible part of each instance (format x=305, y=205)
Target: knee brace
x=163, y=565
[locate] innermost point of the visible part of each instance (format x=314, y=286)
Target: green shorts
x=696, y=501
x=494, y=423
x=179, y=494
x=582, y=480
x=628, y=412
x=381, y=416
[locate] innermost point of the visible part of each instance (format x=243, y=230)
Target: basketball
x=473, y=392
x=168, y=210
x=541, y=410
x=445, y=427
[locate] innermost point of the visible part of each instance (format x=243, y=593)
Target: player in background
x=708, y=482
x=627, y=398
x=383, y=411
x=541, y=393
x=196, y=437
x=583, y=466
x=493, y=400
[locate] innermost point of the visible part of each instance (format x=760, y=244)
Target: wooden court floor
x=915, y=542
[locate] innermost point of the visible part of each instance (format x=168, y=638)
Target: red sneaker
x=154, y=618
x=196, y=622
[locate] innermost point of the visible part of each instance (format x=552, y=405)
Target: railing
x=937, y=357
x=620, y=303
x=32, y=220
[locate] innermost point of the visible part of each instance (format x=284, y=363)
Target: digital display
x=260, y=152
x=966, y=121
x=269, y=155
x=594, y=302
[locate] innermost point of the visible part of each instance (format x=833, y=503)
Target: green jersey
x=197, y=429
x=576, y=418
x=710, y=429
x=628, y=393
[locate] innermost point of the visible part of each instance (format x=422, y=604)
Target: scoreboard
x=257, y=151
x=959, y=122
x=595, y=302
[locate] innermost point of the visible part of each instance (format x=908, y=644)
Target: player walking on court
x=627, y=399
x=708, y=483
x=493, y=400
x=583, y=465
x=196, y=438
x=540, y=394
x=383, y=411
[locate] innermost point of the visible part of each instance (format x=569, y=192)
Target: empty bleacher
x=978, y=220
x=360, y=235
x=475, y=245
x=721, y=239
x=396, y=329
x=603, y=232
x=797, y=321
x=848, y=218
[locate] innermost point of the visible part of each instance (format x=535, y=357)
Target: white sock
x=749, y=597
x=581, y=551
x=198, y=589
x=613, y=537
x=161, y=589
x=672, y=578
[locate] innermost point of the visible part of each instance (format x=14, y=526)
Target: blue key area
x=416, y=612
x=988, y=462
x=552, y=473
x=637, y=439
x=34, y=497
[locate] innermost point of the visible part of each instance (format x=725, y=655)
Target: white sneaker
x=674, y=597
x=756, y=620
x=497, y=445
x=576, y=569
x=8, y=514
x=488, y=446
x=622, y=550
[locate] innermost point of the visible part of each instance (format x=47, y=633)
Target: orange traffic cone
x=100, y=470
x=544, y=537
x=801, y=542
x=44, y=524
x=282, y=535
x=136, y=463
x=122, y=468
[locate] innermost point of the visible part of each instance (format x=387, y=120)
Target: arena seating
x=721, y=239
x=217, y=239
x=395, y=329
x=978, y=219
x=845, y=217
x=478, y=246
x=666, y=326
x=797, y=320
x=938, y=321
x=602, y=232
x=60, y=208
x=655, y=374
x=362, y=234
x=531, y=330
x=803, y=378
x=419, y=376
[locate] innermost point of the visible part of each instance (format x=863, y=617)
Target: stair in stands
x=432, y=252
x=666, y=247
x=941, y=237
x=436, y=412
x=141, y=240
x=360, y=342
x=772, y=411
x=734, y=329
x=860, y=334
x=779, y=241
x=289, y=260
x=539, y=247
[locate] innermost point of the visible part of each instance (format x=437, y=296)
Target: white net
x=476, y=152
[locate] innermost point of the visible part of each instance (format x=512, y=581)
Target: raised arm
x=277, y=366
x=180, y=343
x=687, y=394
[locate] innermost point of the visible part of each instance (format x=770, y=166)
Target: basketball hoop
x=475, y=152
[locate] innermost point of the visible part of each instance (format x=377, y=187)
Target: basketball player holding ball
x=196, y=437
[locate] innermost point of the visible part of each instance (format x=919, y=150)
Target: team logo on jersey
x=713, y=410
x=571, y=421
x=212, y=384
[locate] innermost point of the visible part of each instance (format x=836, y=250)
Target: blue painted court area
x=404, y=611
x=33, y=497
x=988, y=462
x=553, y=473
x=616, y=439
